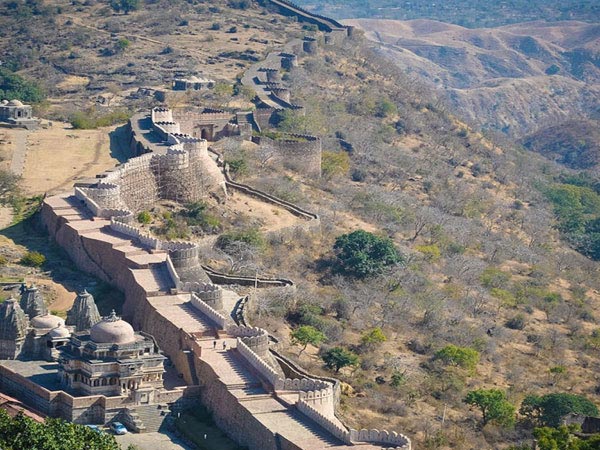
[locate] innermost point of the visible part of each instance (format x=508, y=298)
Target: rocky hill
x=486, y=266
x=467, y=13
x=517, y=79
x=86, y=53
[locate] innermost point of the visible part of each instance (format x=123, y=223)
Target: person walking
x=224, y=345
x=214, y=344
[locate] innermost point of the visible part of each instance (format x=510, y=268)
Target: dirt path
x=274, y=217
x=19, y=151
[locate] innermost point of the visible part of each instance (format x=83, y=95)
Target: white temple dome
x=47, y=321
x=59, y=332
x=112, y=330
x=15, y=103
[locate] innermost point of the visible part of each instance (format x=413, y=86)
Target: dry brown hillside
x=81, y=51
x=517, y=79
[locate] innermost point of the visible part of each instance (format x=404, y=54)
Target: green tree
x=386, y=108
x=144, y=217
x=125, y=5
x=252, y=236
x=464, y=357
x=33, y=259
x=305, y=335
x=223, y=90
x=122, y=45
x=562, y=438
x=361, y=254
x=338, y=357
x=334, y=163
x=13, y=86
x=548, y=410
x=22, y=432
x=398, y=379
x=372, y=338
x=493, y=406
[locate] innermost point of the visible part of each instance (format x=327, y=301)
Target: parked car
x=118, y=428
x=95, y=428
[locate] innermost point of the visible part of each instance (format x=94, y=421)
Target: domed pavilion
x=112, y=359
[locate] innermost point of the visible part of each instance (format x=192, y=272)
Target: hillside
x=516, y=79
x=85, y=54
x=471, y=14
x=574, y=143
x=486, y=265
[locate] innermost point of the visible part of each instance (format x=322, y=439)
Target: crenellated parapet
x=297, y=151
x=161, y=114
x=380, y=437
x=288, y=61
x=260, y=365
x=351, y=436
x=106, y=195
x=208, y=311
x=210, y=294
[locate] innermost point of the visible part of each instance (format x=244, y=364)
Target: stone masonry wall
x=298, y=152
x=230, y=415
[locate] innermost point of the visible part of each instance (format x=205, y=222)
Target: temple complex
x=16, y=113
x=111, y=359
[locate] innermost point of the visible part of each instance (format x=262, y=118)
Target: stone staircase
x=161, y=277
x=197, y=316
x=147, y=418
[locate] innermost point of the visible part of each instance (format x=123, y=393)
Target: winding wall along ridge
x=327, y=23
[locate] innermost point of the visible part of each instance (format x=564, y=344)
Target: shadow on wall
x=119, y=143
x=30, y=234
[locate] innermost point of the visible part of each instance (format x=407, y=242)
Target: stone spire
x=32, y=302
x=84, y=313
x=13, y=321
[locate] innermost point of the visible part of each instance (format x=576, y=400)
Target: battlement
x=299, y=152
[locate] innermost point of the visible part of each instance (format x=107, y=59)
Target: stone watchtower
x=32, y=302
x=84, y=313
x=13, y=329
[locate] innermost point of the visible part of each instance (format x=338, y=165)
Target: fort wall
x=229, y=414
x=315, y=397
x=296, y=151
x=324, y=23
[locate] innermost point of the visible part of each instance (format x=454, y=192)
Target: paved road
x=151, y=441
x=19, y=152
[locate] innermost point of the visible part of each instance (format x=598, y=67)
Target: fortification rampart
x=211, y=124
x=324, y=23
x=263, y=369
x=208, y=311
x=296, y=151
x=184, y=173
x=259, y=282
x=99, y=256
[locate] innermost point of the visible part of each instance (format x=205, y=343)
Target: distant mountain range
x=467, y=13
x=519, y=79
